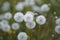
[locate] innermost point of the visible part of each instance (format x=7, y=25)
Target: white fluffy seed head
x=30, y=13
x=36, y=8
x=5, y=28
x=32, y=2
x=28, y=18
x=8, y=15
x=26, y=3
x=41, y=20
x=22, y=36
x=44, y=8
x=29, y=3
x=4, y=25
x=18, y=17
x=57, y=29
x=5, y=6
x=58, y=21
x=15, y=26
x=31, y=25
x=19, y=6
x=4, y=22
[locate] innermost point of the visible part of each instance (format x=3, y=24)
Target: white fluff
x=26, y=2
x=58, y=21
x=4, y=22
x=19, y=6
x=30, y=13
x=31, y=25
x=32, y=2
x=5, y=28
x=41, y=20
x=57, y=29
x=28, y=17
x=18, y=17
x=15, y=26
x=44, y=8
x=5, y=6
x=22, y=36
x=7, y=15
x=36, y=8
x=29, y=2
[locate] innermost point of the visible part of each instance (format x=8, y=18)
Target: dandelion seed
x=19, y=6
x=22, y=36
x=58, y=21
x=29, y=3
x=41, y=20
x=30, y=13
x=32, y=2
x=15, y=26
x=30, y=25
x=18, y=17
x=36, y=8
x=4, y=22
x=4, y=25
x=44, y=8
x=28, y=17
x=5, y=28
x=57, y=29
x=5, y=6
x=8, y=15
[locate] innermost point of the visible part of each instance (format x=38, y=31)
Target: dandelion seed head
x=41, y=20
x=31, y=25
x=15, y=26
x=36, y=8
x=8, y=15
x=19, y=6
x=5, y=6
x=57, y=29
x=28, y=18
x=18, y=17
x=58, y=21
x=6, y=28
x=22, y=36
x=29, y=3
x=44, y=8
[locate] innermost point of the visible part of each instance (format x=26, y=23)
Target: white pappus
x=57, y=29
x=41, y=19
x=15, y=26
x=22, y=36
x=18, y=17
x=5, y=6
x=8, y=15
x=31, y=25
x=19, y=6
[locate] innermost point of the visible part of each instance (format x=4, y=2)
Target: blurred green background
x=41, y=32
